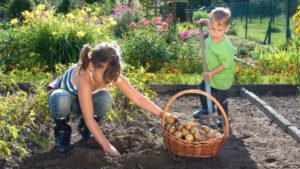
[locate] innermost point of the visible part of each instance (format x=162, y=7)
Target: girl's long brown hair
x=103, y=54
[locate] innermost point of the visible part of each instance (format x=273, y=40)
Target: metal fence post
x=246, y=26
x=288, y=31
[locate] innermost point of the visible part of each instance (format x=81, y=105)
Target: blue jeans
x=220, y=95
x=62, y=104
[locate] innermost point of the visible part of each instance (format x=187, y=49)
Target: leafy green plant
x=200, y=14
x=125, y=13
x=45, y=39
x=146, y=48
x=124, y=109
x=16, y=7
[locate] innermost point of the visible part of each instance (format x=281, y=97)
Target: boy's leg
x=60, y=103
x=203, y=110
x=221, y=96
x=102, y=102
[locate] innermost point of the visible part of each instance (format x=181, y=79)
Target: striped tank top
x=65, y=81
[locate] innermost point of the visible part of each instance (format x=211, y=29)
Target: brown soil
x=255, y=142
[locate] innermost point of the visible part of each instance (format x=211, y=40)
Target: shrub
x=200, y=14
x=63, y=7
x=16, y=7
x=146, y=48
x=46, y=40
x=126, y=13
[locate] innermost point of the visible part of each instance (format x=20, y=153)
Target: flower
x=133, y=25
x=157, y=20
x=164, y=27
x=41, y=7
x=80, y=34
x=14, y=21
x=144, y=22
x=54, y=33
x=185, y=34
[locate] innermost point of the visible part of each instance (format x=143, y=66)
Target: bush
x=16, y=7
x=200, y=14
x=147, y=49
x=126, y=13
x=63, y=7
x=46, y=40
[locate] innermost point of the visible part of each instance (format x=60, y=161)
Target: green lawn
x=257, y=29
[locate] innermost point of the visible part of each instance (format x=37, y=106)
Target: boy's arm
x=209, y=75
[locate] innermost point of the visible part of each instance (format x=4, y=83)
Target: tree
x=16, y=7
x=4, y=3
x=63, y=7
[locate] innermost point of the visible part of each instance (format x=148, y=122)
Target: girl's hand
x=111, y=150
x=172, y=115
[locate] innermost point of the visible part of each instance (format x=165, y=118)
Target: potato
x=216, y=133
x=170, y=119
x=193, y=129
x=172, y=129
x=189, y=138
x=205, y=128
x=178, y=134
x=188, y=126
x=168, y=126
x=185, y=132
x=179, y=126
x=199, y=136
x=212, y=134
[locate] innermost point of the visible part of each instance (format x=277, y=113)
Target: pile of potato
x=190, y=131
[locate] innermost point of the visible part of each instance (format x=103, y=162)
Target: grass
x=257, y=30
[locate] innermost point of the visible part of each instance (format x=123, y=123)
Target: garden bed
x=255, y=142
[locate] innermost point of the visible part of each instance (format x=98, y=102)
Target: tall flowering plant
x=296, y=17
x=125, y=14
x=44, y=38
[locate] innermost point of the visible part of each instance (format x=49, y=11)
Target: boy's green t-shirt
x=217, y=54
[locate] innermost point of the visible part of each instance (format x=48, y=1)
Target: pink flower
x=185, y=34
x=144, y=22
x=157, y=20
x=133, y=25
x=165, y=27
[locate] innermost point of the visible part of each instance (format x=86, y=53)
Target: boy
x=219, y=54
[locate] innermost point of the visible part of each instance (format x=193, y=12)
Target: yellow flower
x=80, y=34
x=297, y=30
x=41, y=7
x=70, y=16
x=14, y=21
x=54, y=33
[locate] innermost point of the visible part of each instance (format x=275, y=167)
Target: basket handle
x=200, y=92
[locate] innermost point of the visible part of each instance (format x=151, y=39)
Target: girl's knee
x=102, y=102
x=60, y=103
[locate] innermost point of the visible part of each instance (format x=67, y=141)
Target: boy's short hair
x=221, y=15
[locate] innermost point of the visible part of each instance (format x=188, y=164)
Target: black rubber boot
x=62, y=133
x=84, y=131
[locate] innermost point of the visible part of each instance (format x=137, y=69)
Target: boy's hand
x=207, y=75
x=202, y=22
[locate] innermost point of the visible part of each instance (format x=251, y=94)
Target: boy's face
x=217, y=31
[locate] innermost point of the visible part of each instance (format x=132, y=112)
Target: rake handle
x=205, y=69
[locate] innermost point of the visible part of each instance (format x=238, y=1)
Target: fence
x=271, y=18
x=266, y=21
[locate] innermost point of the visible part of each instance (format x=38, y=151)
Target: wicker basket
x=180, y=147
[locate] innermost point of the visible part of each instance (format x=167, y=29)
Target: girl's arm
x=86, y=105
x=136, y=97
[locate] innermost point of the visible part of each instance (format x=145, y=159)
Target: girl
x=82, y=90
